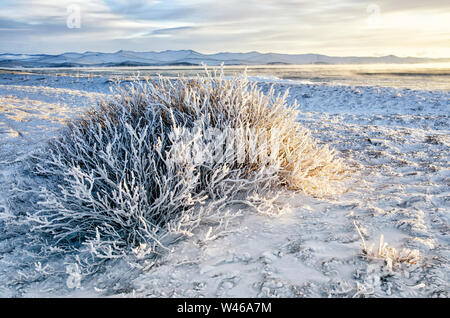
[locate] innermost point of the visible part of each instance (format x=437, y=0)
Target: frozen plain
x=396, y=139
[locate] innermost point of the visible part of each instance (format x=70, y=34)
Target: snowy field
x=396, y=139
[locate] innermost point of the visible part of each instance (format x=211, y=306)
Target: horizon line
x=229, y=52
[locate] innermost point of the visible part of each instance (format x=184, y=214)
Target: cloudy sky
x=332, y=27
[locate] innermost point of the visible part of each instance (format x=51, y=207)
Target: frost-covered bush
x=161, y=156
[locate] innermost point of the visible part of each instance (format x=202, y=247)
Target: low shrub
x=159, y=157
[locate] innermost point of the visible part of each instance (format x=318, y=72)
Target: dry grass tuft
x=391, y=255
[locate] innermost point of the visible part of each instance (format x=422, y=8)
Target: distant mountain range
x=189, y=58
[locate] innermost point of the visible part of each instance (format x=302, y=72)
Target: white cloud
x=335, y=27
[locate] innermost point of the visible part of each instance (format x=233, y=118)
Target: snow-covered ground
x=397, y=141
